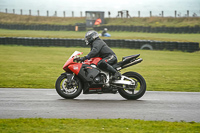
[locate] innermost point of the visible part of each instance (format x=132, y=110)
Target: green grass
x=155, y=21
x=28, y=20
x=136, y=21
x=46, y=34
x=95, y=126
x=39, y=67
x=114, y=35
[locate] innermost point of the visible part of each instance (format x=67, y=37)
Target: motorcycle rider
x=104, y=32
x=100, y=49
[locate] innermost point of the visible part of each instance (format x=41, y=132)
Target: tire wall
x=82, y=27
x=149, y=29
x=132, y=44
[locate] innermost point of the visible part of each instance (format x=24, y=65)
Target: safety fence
x=82, y=27
x=132, y=44
x=121, y=14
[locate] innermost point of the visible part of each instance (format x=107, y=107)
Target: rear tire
x=68, y=90
x=133, y=94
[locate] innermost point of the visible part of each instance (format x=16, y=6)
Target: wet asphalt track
x=46, y=103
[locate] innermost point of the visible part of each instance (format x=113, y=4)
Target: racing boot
x=115, y=74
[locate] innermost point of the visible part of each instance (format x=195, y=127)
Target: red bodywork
x=71, y=66
x=92, y=61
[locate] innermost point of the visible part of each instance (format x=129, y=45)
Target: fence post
x=64, y=14
x=138, y=13
x=175, y=13
x=47, y=13
x=55, y=13
x=81, y=14
x=6, y=10
x=13, y=11
x=38, y=12
x=150, y=14
x=72, y=13
x=187, y=13
x=21, y=11
x=30, y=12
x=162, y=13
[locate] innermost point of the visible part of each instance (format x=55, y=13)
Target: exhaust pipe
x=133, y=63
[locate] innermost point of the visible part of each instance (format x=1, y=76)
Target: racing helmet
x=90, y=36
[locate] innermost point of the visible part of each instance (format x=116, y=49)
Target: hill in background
x=136, y=21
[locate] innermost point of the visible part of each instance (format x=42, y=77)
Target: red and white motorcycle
x=86, y=76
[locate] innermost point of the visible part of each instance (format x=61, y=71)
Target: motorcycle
x=86, y=77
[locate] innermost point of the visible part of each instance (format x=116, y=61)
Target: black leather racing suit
x=100, y=49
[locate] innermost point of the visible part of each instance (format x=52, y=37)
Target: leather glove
x=82, y=59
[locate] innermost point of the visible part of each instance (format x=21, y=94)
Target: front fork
x=69, y=84
x=69, y=78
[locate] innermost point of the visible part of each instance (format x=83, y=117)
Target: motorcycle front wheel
x=68, y=89
x=133, y=92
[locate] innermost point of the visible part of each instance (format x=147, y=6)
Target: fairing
x=75, y=67
x=88, y=73
x=92, y=61
x=70, y=65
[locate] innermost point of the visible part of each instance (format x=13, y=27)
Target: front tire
x=66, y=89
x=133, y=92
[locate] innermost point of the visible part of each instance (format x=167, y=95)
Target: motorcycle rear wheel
x=68, y=90
x=133, y=92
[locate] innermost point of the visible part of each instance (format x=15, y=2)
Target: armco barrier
x=132, y=44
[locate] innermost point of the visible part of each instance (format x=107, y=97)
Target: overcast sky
x=102, y=5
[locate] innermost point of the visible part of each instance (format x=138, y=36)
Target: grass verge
x=155, y=21
x=7, y=18
x=39, y=67
x=136, y=21
x=95, y=125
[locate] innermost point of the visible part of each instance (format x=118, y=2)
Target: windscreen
x=76, y=53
